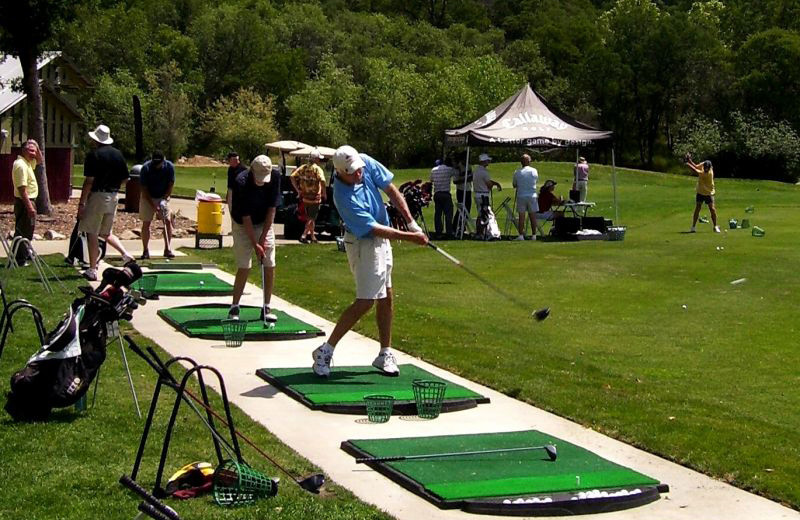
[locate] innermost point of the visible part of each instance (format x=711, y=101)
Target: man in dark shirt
x=157, y=179
x=255, y=194
x=104, y=171
x=235, y=167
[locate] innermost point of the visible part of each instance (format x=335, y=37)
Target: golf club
x=539, y=315
x=160, y=507
x=552, y=454
x=312, y=483
x=164, y=218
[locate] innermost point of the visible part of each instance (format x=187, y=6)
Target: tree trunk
x=33, y=91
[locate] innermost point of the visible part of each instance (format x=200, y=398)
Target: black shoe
x=233, y=312
x=145, y=255
x=169, y=254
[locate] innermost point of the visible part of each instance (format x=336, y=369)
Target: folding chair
x=511, y=218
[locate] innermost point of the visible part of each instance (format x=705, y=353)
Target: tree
x=243, y=122
x=25, y=26
x=171, y=109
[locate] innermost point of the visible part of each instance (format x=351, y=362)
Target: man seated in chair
x=547, y=200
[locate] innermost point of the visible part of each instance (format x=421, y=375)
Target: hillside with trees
x=719, y=78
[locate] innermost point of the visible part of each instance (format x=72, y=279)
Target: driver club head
x=541, y=314
x=312, y=483
x=551, y=451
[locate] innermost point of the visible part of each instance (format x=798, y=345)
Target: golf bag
x=78, y=251
x=417, y=195
x=486, y=226
x=62, y=370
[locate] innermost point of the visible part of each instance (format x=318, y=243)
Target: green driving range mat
x=344, y=390
x=205, y=321
x=523, y=482
x=178, y=283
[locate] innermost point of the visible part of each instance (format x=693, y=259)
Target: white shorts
x=547, y=215
x=98, y=216
x=528, y=204
x=146, y=211
x=371, y=262
x=243, y=248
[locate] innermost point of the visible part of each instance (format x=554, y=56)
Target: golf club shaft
x=442, y=455
x=480, y=278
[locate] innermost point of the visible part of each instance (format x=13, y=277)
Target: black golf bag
x=78, y=251
x=62, y=370
x=417, y=195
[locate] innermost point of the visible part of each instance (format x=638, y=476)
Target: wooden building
x=60, y=83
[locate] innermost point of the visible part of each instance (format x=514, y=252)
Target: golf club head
x=551, y=451
x=541, y=314
x=312, y=483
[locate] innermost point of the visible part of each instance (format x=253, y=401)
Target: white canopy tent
x=527, y=120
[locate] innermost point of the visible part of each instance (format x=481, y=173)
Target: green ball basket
x=429, y=396
x=234, y=330
x=237, y=484
x=379, y=407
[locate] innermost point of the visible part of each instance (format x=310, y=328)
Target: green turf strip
x=206, y=321
x=349, y=384
x=187, y=283
x=501, y=474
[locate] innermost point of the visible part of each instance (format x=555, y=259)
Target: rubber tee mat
x=344, y=390
x=205, y=321
x=526, y=482
x=178, y=283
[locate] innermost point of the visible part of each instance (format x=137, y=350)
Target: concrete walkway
x=317, y=435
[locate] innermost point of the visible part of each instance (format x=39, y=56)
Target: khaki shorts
x=98, y=216
x=146, y=211
x=371, y=262
x=243, y=248
x=527, y=204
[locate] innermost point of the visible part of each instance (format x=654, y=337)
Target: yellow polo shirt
x=23, y=176
x=705, y=181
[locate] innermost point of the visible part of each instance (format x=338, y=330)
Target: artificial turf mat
x=344, y=390
x=482, y=482
x=187, y=284
x=205, y=321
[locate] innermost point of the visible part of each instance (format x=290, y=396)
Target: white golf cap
x=484, y=157
x=315, y=154
x=101, y=134
x=261, y=168
x=347, y=159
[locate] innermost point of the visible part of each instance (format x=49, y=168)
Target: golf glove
x=413, y=227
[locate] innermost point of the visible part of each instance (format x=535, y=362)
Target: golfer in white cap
x=256, y=192
x=357, y=186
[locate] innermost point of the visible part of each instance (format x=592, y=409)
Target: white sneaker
x=716, y=229
x=90, y=274
x=692, y=230
x=322, y=360
x=521, y=237
x=386, y=363
x=127, y=258
x=267, y=315
x=533, y=237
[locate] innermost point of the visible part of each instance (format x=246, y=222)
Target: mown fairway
x=712, y=386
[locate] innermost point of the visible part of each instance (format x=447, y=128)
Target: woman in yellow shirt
x=705, y=191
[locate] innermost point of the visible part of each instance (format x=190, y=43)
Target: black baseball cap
x=232, y=154
x=157, y=156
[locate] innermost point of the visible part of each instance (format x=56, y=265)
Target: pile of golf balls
x=596, y=493
x=532, y=500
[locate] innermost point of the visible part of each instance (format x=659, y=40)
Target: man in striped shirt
x=441, y=174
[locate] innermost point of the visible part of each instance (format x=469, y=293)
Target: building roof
x=11, y=76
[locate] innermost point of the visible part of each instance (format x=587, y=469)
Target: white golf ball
x=683, y=306
x=202, y=282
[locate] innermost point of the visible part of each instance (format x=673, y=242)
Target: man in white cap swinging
x=357, y=186
x=104, y=170
x=255, y=196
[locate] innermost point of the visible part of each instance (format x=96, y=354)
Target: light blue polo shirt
x=361, y=206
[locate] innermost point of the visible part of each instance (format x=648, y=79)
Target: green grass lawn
x=68, y=467
x=712, y=386
x=188, y=179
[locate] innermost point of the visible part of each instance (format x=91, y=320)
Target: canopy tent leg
x=463, y=214
x=614, y=184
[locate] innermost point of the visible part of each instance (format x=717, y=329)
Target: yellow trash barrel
x=209, y=217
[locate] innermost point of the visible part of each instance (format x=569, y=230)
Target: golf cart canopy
x=526, y=120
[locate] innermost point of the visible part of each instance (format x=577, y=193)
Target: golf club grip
x=151, y=511
x=396, y=458
x=160, y=506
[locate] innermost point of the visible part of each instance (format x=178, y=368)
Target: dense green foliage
x=389, y=77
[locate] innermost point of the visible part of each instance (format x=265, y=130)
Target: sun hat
x=549, y=182
x=484, y=157
x=261, y=168
x=582, y=159
x=101, y=134
x=315, y=154
x=347, y=159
